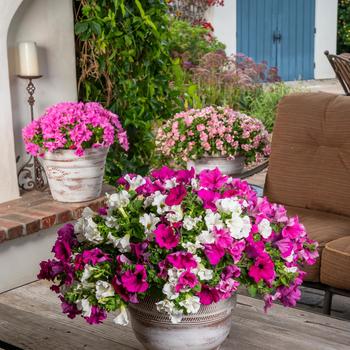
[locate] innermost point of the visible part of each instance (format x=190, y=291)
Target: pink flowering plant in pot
x=73, y=139
x=179, y=243
x=213, y=137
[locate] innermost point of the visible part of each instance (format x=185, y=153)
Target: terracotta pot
x=226, y=166
x=206, y=330
x=72, y=178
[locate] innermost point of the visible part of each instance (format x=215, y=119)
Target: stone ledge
x=36, y=211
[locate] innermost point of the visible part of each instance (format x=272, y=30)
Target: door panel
x=259, y=21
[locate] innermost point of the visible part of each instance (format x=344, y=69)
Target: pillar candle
x=28, y=59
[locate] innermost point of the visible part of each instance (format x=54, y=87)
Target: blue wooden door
x=280, y=32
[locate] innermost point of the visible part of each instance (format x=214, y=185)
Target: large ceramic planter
x=72, y=178
x=206, y=330
x=226, y=166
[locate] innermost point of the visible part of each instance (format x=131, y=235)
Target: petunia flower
x=135, y=281
x=166, y=237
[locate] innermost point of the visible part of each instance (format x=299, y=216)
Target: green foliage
x=343, y=26
x=124, y=63
x=263, y=104
x=191, y=42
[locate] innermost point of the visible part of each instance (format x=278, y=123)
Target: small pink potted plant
x=173, y=247
x=213, y=137
x=73, y=139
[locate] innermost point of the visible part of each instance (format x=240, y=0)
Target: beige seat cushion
x=309, y=165
x=323, y=228
x=335, y=268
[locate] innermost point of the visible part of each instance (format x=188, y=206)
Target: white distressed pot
x=72, y=178
x=225, y=165
x=206, y=330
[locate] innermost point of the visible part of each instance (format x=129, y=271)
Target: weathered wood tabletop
x=30, y=318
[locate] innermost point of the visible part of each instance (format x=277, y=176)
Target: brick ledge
x=36, y=211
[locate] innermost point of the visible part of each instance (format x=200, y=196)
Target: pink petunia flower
x=212, y=179
x=214, y=253
x=176, y=195
x=135, y=281
x=263, y=269
x=182, y=260
x=186, y=280
x=166, y=237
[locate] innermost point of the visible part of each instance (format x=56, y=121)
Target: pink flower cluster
x=213, y=131
x=74, y=125
x=192, y=238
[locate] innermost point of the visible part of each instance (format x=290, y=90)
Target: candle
x=28, y=59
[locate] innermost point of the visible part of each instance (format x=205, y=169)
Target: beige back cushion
x=310, y=159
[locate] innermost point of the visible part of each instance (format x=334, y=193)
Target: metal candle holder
x=39, y=182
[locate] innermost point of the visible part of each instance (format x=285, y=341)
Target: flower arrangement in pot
x=73, y=139
x=213, y=137
x=173, y=247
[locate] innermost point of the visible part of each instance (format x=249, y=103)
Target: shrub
x=190, y=42
x=343, y=26
x=124, y=63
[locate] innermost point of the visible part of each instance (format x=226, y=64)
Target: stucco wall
x=326, y=36
x=50, y=24
x=224, y=22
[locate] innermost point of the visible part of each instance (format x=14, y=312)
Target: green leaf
x=81, y=27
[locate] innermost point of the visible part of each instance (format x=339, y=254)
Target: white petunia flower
x=195, y=184
x=229, y=205
x=292, y=269
x=205, y=274
x=118, y=200
x=111, y=222
x=122, y=317
x=86, y=275
x=176, y=316
x=135, y=182
x=205, y=237
x=190, y=223
x=169, y=291
x=165, y=306
x=239, y=227
x=122, y=244
x=289, y=258
x=149, y=222
x=85, y=307
x=213, y=220
x=176, y=213
x=191, y=304
x=159, y=202
x=191, y=247
x=91, y=232
x=170, y=183
x=104, y=290
x=264, y=228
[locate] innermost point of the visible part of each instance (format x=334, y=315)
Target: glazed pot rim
x=87, y=151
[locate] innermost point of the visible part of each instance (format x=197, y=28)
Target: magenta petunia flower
x=97, y=315
x=70, y=309
x=223, y=239
x=95, y=256
x=263, y=269
x=182, y=260
x=212, y=179
x=214, y=253
x=166, y=237
x=208, y=198
x=236, y=250
x=135, y=281
x=176, y=195
x=293, y=229
x=163, y=173
x=208, y=295
x=186, y=280
x=62, y=250
x=285, y=246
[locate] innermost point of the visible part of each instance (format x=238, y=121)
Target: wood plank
x=35, y=311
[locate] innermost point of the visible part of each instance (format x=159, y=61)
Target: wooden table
x=30, y=318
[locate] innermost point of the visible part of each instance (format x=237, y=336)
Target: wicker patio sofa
x=309, y=172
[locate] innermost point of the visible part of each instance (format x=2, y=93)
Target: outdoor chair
x=309, y=172
x=341, y=66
